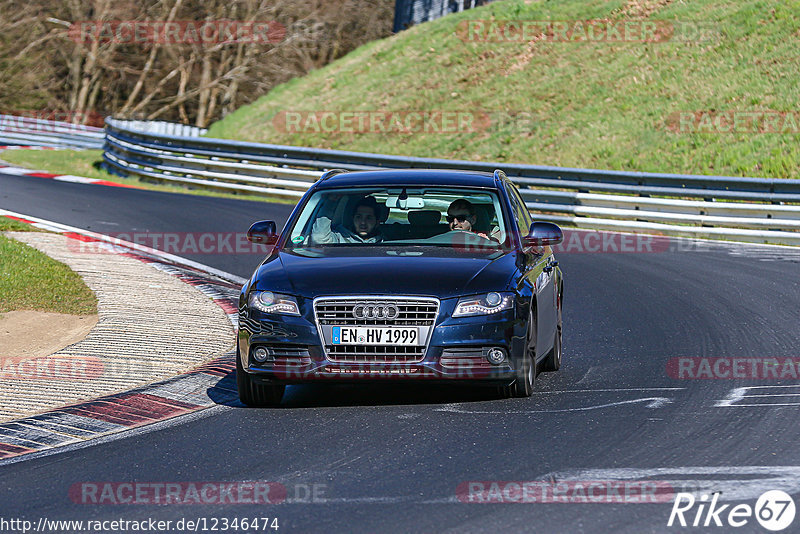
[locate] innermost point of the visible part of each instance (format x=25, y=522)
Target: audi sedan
x=415, y=275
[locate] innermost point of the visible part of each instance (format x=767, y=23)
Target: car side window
x=521, y=213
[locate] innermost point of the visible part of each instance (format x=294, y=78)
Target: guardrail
x=742, y=209
x=15, y=130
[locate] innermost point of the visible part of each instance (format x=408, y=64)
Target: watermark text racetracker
x=177, y=32
x=609, y=242
x=587, y=31
x=596, y=242
x=189, y=493
x=49, y=120
x=70, y=367
x=732, y=368
x=419, y=121
x=414, y=121
x=52, y=367
x=173, y=243
x=382, y=121
x=783, y=122
x=236, y=243
x=586, y=491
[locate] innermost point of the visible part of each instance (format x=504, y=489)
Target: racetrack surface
x=394, y=458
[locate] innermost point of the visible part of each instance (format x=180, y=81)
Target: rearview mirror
x=263, y=232
x=407, y=203
x=543, y=234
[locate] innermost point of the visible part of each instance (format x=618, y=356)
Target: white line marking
x=771, y=387
x=133, y=246
x=43, y=226
x=652, y=402
x=775, y=395
x=735, y=395
x=768, y=404
x=738, y=394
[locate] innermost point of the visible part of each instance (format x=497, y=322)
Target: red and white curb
x=19, y=171
x=179, y=395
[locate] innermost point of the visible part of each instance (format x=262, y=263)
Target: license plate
x=376, y=371
x=374, y=335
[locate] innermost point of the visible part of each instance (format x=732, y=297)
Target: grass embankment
x=30, y=280
x=608, y=105
x=86, y=163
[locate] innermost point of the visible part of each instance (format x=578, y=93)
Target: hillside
x=660, y=100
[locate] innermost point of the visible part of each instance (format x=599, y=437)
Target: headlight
x=269, y=302
x=484, y=304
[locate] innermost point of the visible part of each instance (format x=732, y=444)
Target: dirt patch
x=643, y=8
x=32, y=334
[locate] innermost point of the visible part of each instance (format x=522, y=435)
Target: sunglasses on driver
x=460, y=216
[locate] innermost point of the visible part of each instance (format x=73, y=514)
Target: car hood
x=380, y=270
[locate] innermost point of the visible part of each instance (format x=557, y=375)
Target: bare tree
x=62, y=55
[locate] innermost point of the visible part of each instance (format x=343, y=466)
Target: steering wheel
x=455, y=232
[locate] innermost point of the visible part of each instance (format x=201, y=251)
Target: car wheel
x=525, y=382
x=553, y=360
x=252, y=393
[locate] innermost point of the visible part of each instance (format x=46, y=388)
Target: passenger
x=367, y=215
x=461, y=216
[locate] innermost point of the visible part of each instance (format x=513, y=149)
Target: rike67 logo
x=774, y=510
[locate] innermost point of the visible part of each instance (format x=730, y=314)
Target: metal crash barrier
x=762, y=210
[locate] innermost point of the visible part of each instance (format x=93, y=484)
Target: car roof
x=410, y=177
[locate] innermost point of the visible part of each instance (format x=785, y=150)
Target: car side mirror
x=263, y=232
x=543, y=234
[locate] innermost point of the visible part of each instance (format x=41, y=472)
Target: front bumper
x=455, y=353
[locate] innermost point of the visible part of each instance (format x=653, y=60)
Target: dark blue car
x=402, y=275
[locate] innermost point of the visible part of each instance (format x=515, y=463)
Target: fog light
x=260, y=354
x=496, y=356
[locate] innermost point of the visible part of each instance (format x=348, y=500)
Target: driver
x=367, y=215
x=461, y=216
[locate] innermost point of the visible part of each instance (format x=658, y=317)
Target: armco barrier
x=743, y=209
x=15, y=130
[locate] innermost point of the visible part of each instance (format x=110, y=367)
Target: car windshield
x=401, y=216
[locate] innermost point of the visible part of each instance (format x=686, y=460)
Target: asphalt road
x=398, y=458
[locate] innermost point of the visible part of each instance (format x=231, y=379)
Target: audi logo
x=375, y=311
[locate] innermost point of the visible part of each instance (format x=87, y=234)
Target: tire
x=553, y=360
x=252, y=393
x=525, y=382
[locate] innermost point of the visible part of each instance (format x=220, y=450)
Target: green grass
x=86, y=163
x=11, y=225
x=30, y=280
x=598, y=105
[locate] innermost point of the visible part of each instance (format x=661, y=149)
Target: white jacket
x=322, y=233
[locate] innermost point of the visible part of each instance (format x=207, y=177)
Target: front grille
x=291, y=362
x=374, y=354
x=289, y=352
x=410, y=312
x=468, y=358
